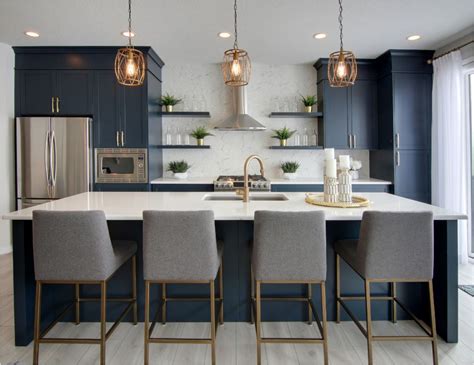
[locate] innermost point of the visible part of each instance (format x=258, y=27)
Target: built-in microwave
x=121, y=165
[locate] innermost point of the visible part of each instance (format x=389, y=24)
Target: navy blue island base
x=236, y=263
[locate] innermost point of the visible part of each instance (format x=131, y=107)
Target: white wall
x=229, y=149
x=7, y=172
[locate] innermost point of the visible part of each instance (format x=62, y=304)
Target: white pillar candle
x=344, y=162
x=331, y=168
x=328, y=153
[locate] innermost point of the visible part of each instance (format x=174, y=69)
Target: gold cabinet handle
x=122, y=138
x=117, y=138
x=52, y=104
x=57, y=104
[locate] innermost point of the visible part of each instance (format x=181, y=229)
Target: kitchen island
x=234, y=225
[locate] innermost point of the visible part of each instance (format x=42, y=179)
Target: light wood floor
x=236, y=341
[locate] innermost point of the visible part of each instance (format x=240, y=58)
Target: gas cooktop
x=234, y=182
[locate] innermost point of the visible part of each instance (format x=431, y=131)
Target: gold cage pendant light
x=342, y=65
x=129, y=62
x=236, y=66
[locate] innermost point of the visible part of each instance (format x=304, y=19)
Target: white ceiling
x=272, y=31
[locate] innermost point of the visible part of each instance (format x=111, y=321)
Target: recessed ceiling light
x=127, y=34
x=414, y=37
x=224, y=35
x=320, y=35
x=32, y=34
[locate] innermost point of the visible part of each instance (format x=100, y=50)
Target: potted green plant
x=168, y=101
x=179, y=169
x=308, y=102
x=283, y=135
x=289, y=169
x=199, y=133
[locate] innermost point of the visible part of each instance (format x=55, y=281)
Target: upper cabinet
x=61, y=93
x=350, y=114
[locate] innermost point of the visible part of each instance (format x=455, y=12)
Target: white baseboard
x=5, y=248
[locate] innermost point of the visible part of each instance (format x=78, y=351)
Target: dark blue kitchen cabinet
x=413, y=174
x=58, y=93
x=349, y=113
x=35, y=92
x=132, y=115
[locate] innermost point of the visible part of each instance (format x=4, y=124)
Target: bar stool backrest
x=289, y=246
x=396, y=245
x=71, y=245
x=179, y=246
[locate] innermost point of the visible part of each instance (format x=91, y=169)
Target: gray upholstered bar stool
x=75, y=248
x=392, y=247
x=289, y=248
x=181, y=248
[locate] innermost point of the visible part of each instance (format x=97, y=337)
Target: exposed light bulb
x=236, y=70
x=341, y=70
x=131, y=68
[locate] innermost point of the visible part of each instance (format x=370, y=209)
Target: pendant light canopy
x=236, y=66
x=342, y=66
x=129, y=62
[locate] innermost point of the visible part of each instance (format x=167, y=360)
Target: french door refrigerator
x=53, y=158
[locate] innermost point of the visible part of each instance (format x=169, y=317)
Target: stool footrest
x=290, y=340
x=203, y=341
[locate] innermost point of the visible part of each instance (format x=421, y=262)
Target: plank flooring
x=236, y=341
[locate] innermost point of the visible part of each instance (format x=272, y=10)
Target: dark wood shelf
x=296, y=147
x=296, y=115
x=186, y=114
x=180, y=146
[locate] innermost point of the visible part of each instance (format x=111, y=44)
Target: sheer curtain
x=450, y=165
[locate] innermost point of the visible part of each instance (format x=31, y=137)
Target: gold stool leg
x=310, y=312
x=369, y=321
x=37, y=323
x=257, y=323
x=213, y=322
x=146, y=324
x=325, y=328
x=78, y=308
x=434, y=343
x=252, y=296
x=338, y=288
x=103, y=320
x=163, y=303
x=221, y=294
x=394, y=304
x=134, y=289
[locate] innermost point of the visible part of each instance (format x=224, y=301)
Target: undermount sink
x=252, y=197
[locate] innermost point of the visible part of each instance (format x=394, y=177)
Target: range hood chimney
x=240, y=121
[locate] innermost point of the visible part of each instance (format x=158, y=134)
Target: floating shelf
x=296, y=147
x=295, y=115
x=180, y=146
x=186, y=114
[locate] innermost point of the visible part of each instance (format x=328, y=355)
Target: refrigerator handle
x=54, y=159
x=47, y=158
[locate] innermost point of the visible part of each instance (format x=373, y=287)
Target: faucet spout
x=246, y=192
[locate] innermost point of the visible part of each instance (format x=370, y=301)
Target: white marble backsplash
x=269, y=85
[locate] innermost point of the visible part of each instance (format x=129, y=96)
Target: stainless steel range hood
x=240, y=121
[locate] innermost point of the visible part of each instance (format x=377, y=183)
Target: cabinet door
x=335, y=109
x=36, y=92
x=363, y=114
x=412, y=175
x=132, y=115
x=106, y=116
x=412, y=110
x=74, y=90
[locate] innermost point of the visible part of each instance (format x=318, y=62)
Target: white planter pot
x=290, y=175
x=354, y=174
x=180, y=175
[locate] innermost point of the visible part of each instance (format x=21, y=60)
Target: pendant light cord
x=340, y=24
x=235, y=25
x=129, y=23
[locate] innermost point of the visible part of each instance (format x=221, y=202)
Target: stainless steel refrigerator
x=53, y=158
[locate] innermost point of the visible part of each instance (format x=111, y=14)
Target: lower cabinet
x=182, y=187
x=121, y=187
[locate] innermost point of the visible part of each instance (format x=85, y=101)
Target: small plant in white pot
x=355, y=167
x=289, y=169
x=179, y=169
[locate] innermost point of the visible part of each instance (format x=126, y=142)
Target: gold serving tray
x=318, y=199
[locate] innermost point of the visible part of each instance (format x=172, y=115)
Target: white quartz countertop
x=130, y=205
x=297, y=181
